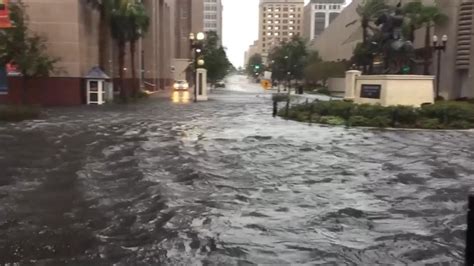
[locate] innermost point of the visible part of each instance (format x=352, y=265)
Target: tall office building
x=279, y=21
x=188, y=19
x=213, y=16
x=72, y=36
x=252, y=50
x=318, y=14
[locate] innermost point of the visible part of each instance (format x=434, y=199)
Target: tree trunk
x=24, y=96
x=134, y=70
x=412, y=33
x=121, y=59
x=103, y=37
x=365, y=37
x=428, y=53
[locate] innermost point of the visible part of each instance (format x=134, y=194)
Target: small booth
x=97, y=86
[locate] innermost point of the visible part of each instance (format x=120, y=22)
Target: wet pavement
x=224, y=183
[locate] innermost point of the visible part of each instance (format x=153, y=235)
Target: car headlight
x=186, y=86
x=175, y=86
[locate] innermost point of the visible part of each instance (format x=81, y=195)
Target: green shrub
x=19, y=113
x=372, y=111
x=429, y=123
x=360, y=121
x=332, y=120
x=334, y=108
x=449, y=112
x=453, y=115
x=461, y=125
x=404, y=115
x=380, y=121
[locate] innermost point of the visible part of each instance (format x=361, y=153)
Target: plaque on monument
x=370, y=91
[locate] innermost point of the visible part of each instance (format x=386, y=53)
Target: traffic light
x=257, y=67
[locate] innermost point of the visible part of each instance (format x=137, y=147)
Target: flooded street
x=224, y=183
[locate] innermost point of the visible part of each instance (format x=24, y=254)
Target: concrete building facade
x=252, y=50
x=189, y=18
x=318, y=14
x=339, y=40
x=279, y=21
x=71, y=30
x=213, y=16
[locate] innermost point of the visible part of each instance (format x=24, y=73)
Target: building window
x=333, y=16
x=319, y=23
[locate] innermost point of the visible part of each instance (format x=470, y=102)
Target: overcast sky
x=240, y=27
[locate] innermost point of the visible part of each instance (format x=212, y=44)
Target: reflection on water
x=180, y=97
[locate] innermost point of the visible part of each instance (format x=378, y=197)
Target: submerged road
x=224, y=183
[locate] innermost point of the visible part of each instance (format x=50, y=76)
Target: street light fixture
x=196, y=45
x=200, y=36
x=440, y=48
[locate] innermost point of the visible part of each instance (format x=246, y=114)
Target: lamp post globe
x=201, y=62
x=200, y=36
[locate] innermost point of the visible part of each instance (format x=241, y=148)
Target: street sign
x=267, y=75
x=266, y=84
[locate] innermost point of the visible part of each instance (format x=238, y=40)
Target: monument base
x=202, y=98
x=201, y=85
x=389, y=90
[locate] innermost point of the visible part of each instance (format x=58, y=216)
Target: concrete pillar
x=201, y=84
x=351, y=77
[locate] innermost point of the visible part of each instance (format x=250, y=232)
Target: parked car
x=180, y=85
x=220, y=84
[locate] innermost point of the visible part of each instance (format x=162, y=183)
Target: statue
x=398, y=53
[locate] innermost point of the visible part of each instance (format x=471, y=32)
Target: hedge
x=441, y=115
x=17, y=113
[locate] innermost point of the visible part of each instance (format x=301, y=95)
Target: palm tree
x=412, y=11
x=120, y=30
x=428, y=17
x=139, y=23
x=368, y=12
x=105, y=8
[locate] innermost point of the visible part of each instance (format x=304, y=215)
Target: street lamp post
x=196, y=45
x=440, y=47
